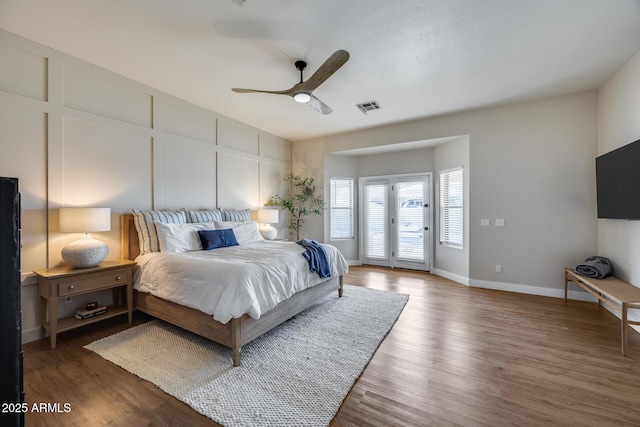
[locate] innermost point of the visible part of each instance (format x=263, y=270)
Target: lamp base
x=268, y=232
x=85, y=253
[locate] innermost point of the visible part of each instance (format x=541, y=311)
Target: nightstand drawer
x=102, y=280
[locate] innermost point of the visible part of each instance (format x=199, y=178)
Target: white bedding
x=229, y=282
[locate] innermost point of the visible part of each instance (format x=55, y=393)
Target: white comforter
x=229, y=282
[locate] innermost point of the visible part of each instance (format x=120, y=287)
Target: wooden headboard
x=129, y=245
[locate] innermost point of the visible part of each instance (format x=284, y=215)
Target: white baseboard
x=510, y=287
x=532, y=290
x=447, y=275
x=354, y=262
x=577, y=295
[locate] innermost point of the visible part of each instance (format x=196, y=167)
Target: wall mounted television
x=618, y=183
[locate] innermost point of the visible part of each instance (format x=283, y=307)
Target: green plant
x=301, y=201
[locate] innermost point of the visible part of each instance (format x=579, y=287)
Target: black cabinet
x=11, y=386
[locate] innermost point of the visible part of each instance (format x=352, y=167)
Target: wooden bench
x=614, y=292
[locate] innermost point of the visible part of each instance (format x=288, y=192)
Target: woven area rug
x=298, y=374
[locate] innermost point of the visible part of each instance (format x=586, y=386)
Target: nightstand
x=58, y=283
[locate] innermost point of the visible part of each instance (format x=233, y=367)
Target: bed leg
x=236, y=355
x=340, y=288
x=236, y=339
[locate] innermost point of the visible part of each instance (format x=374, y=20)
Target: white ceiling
x=416, y=58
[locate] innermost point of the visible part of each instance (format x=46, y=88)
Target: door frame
x=392, y=237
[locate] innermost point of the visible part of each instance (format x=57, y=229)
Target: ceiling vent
x=365, y=107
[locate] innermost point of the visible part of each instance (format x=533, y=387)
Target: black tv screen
x=618, y=183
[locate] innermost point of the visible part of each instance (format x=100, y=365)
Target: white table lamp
x=86, y=252
x=266, y=217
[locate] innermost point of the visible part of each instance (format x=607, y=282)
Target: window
x=451, y=211
x=341, y=205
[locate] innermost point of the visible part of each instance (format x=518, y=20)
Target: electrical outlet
x=498, y=268
x=67, y=300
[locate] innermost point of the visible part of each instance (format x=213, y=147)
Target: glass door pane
x=375, y=223
x=410, y=225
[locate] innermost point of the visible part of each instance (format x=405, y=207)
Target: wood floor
x=457, y=356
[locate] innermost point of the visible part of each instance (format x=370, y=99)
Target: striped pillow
x=238, y=215
x=204, y=215
x=147, y=234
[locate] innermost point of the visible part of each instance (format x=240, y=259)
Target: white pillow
x=145, y=226
x=245, y=232
x=178, y=238
x=222, y=225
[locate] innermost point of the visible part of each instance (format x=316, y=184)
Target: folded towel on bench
x=595, y=267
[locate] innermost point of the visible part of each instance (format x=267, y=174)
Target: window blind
x=342, y=206
x=375, y=199
x=451, y=207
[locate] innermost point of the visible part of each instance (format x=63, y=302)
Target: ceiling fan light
x=302, y=97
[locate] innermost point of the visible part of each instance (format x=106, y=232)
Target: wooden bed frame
x=233, y=334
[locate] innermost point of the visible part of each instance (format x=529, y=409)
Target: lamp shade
x=268, y=216
x=85, y=220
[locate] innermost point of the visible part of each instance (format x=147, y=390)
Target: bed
x=238, y=331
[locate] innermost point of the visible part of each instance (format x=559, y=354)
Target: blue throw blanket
x=316, y=256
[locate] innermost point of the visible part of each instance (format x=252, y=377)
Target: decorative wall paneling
x=79, y=135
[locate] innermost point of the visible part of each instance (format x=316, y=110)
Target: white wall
x=395, y=163
x=449, y=261
x=531, y=164
x=337, y=166
x=78, y=135
x=618, y=125
x=362, y=165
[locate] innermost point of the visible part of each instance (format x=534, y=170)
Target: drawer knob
x=119, y=278
x=72, y=287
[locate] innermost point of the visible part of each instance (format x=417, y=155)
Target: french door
x=395, y=221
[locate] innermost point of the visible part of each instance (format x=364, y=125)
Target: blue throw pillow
x=213, y=239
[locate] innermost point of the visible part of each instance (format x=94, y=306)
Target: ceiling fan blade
x=330, y=66
x=277, y=92
x=319, y=106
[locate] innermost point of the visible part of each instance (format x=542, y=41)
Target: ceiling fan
x=302, y=92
